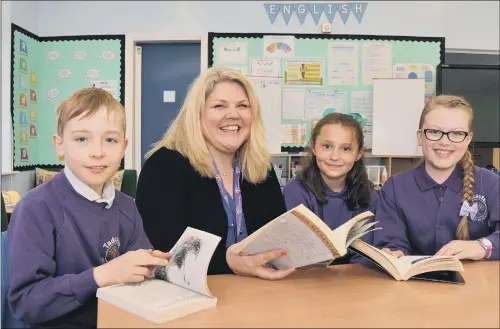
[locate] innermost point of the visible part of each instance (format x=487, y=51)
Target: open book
x=175, y=290
x=432, y=268
x=306, y=238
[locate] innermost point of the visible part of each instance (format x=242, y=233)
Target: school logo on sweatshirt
x=478, y=211
x=112, y=249
x=482, y=209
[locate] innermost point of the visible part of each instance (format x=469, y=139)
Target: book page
x=379, y=257
x=340, y=234
x=189, y=262
x=153, y=294
x=288, y=232
x=359, y=232
x=411, y=265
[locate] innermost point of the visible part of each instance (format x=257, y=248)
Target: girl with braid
x=332, y=181
x=446, y=206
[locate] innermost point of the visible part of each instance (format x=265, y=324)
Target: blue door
x=168, y=69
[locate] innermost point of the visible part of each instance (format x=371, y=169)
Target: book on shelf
x=309, y=242
x=175, y=290
x=431, y=268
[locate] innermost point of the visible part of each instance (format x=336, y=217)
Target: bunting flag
x=286, y=12
x=316, y=10
x=301, y=10
x=358, y=9
x=273, y=10
x=344, y=10
x=330, y=10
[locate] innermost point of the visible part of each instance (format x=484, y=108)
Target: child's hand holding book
x=131, y=267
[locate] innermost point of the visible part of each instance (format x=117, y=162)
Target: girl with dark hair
x=332, y=181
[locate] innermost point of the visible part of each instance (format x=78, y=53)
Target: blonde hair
x=186, y=137
x=87, y=102
x=457, y=102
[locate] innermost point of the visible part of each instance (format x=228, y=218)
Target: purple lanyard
x=236, y=190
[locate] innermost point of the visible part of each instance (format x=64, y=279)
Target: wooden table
x=340, y=296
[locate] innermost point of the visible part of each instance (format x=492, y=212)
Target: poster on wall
x=265, y=67
x=342, y=64
x=319, y=104
x=304, y=72
x=279, y=46
x=376, y=61
x=48, y=71
x=417, y=71
x=233, y=52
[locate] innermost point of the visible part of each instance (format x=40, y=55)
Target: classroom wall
x=196, y=18
x=412, y=18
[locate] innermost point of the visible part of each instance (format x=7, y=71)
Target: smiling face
x=336, y=149
x=444, y=154
x=227, y=117
x=93, y=147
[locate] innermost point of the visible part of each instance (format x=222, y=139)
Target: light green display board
x=44, y=74
x=237, y=51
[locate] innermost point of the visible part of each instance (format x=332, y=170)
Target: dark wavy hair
x=357, y=184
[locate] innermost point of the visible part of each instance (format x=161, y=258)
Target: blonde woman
x=446, y=206
x=212, y=171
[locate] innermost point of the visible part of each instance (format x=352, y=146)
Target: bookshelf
x=393, y=164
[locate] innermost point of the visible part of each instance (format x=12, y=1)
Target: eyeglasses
x=454, y=136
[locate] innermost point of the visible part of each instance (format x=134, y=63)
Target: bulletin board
x=299, y=78
x=47, y=70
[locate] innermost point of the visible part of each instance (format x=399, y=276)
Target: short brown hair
x=87, y=101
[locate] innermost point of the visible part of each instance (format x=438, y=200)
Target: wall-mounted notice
x=265, y=67
x=362, y=102
x=293, y=104
x=320, y=103
x=279, y=45
x=304, y=72
x=293, y=134
x=242, y=69
x=417, y=71
x=111, y=86
x=376, y=61
x=342, y=64
x=269, y=92
x=233, y=52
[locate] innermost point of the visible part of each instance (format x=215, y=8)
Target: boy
x=75, y=233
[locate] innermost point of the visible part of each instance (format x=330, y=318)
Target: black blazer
x=172, y=195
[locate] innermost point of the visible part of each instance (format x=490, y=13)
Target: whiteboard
x=397, y=105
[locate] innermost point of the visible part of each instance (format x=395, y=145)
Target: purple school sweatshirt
x=56, y=237
x=415, y=220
